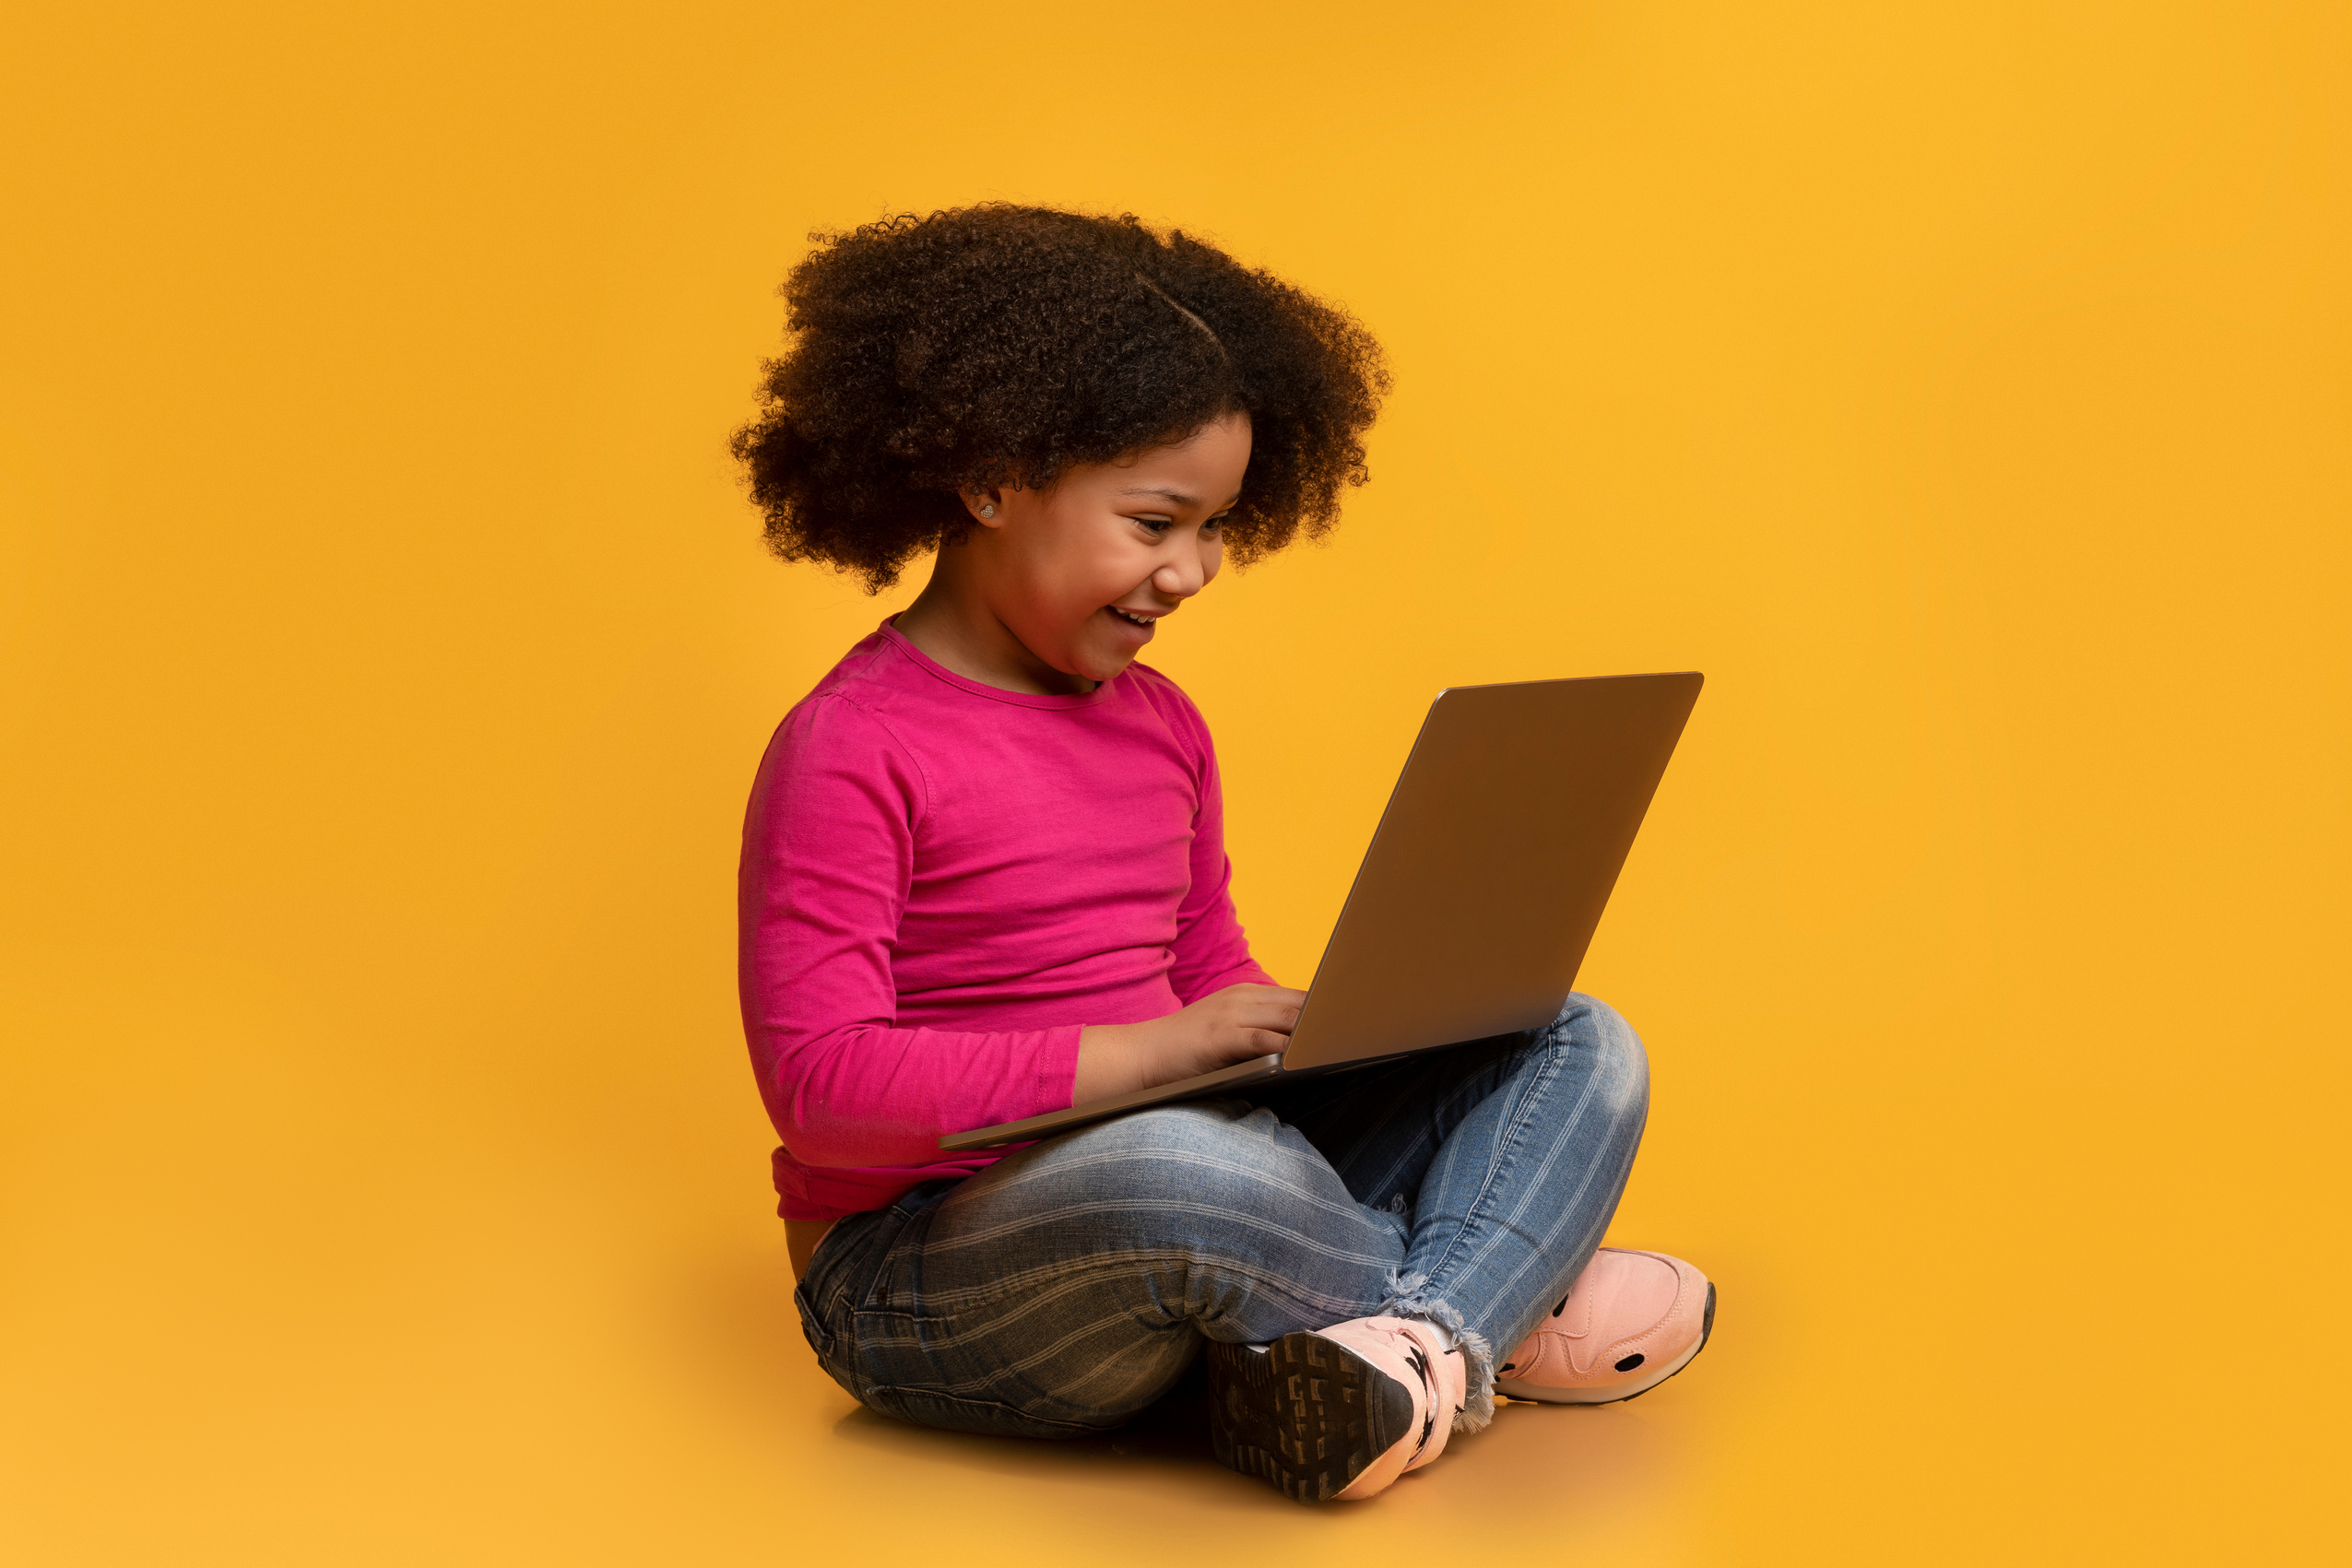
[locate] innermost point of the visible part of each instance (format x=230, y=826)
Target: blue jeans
x=1067, y=1286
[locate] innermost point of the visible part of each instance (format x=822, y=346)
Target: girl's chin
x=1101, y=670
x=1099, y=664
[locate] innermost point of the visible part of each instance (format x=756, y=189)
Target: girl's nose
x=1178, y=579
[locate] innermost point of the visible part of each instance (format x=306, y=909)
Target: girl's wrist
x=1111, y=1059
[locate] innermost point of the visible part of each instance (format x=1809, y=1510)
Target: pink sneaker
x=1634, y=1320
x=1336, y=1415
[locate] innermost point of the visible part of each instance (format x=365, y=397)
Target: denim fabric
x=1067, y=1286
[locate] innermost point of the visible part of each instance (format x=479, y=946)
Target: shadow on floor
x=1579, y=1461
x=1561, y=1461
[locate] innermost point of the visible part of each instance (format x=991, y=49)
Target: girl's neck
x=951, y=623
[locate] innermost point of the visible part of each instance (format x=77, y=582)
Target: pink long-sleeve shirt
x=941, y=883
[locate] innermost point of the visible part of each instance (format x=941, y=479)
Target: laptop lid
x=1471, y=911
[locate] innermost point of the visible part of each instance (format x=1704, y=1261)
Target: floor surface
x=386, y=646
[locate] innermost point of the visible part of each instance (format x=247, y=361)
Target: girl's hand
x=1222, y=1028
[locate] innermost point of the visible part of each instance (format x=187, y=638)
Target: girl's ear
x=986, y=506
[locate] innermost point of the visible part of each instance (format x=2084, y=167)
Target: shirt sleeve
x=828, y=858
x=1210, y=951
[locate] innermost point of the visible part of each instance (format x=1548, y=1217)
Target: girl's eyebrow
x=1176, y=496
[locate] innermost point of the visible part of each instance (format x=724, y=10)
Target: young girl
x=984, y=877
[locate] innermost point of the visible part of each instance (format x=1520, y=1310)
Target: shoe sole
x=1542, y=1395
x=1306, y=1413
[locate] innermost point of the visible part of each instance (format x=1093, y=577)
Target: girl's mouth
x=1144, y=621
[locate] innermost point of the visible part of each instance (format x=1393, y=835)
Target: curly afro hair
x=994, y=345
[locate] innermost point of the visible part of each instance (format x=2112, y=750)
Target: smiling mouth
x=1144, y=621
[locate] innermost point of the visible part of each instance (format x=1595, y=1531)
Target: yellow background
x=1962, y=386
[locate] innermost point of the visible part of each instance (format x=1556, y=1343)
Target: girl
x=984, y=877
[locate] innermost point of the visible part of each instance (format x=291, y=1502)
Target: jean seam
x=977, y=1315
x=1507, y=1150
x=1575, y=1120
x=1617, y=1175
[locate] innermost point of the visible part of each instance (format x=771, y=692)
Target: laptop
x=1486, y=877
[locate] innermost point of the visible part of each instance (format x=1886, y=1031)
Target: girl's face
x=1083, y=573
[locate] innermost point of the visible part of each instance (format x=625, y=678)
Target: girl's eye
x=1214, y=526
x=1157, y=525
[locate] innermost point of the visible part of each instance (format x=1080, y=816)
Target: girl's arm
x=1232, y=1009
x=828, y=858
x=1210, y=950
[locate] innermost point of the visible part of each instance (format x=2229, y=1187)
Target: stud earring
x=989, y=510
